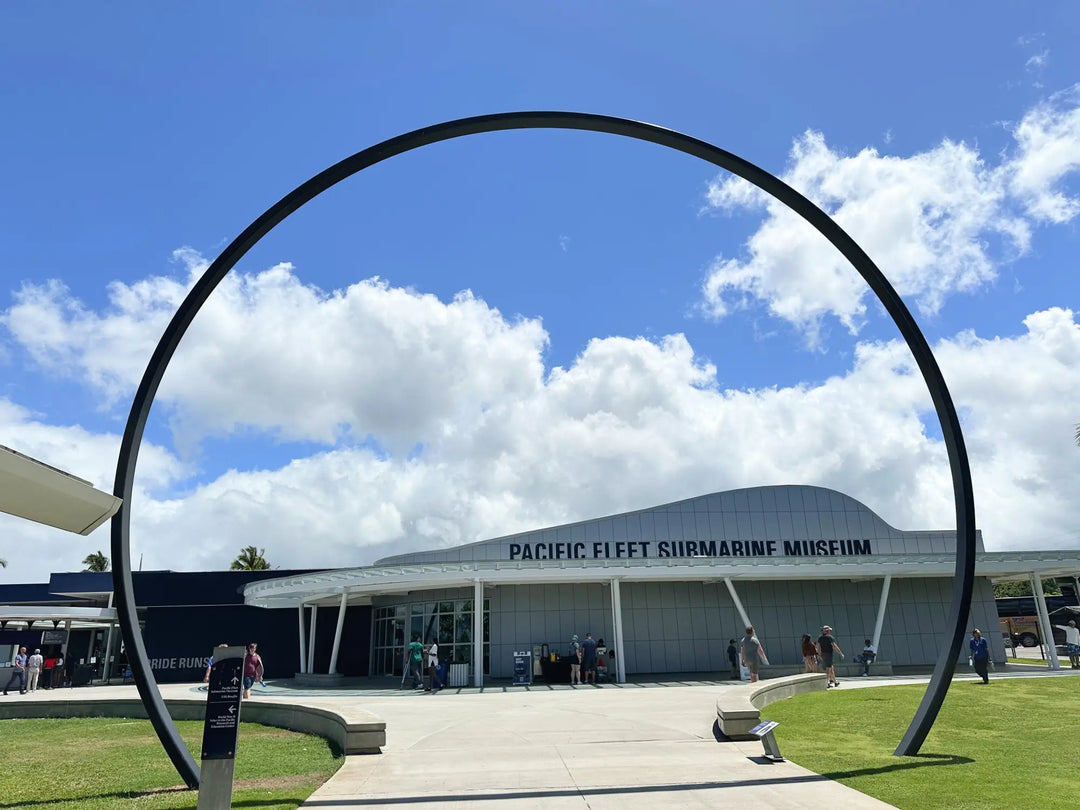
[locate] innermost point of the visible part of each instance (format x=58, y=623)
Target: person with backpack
x=415, y=658
x=575, y=660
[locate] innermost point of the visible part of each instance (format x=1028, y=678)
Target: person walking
x=209, y=665
x=752, y=654
x=809, y=653
x=733, y=658
x=33, y=670
x=415, y=658
x=433, y=666
x=827, y=645
x=253, y=668
x=980, y=654
x=1072, y=642
x=588, y=658
x=575, y=660
x=18, y=672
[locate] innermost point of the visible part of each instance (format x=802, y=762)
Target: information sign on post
x=221, y=728
x=764, y=732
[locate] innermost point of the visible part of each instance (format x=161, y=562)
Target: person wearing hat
x=1072, y=642
x=827, y=644
x=575, y=660
x=33, y=670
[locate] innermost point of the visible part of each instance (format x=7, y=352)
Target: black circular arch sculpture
x=144, y=396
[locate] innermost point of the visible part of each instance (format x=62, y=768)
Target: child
x=733, y=657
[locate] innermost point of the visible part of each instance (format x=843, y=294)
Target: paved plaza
x=646, y=744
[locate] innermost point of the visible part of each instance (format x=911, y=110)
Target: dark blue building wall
x=80, y=582
x=180, y=639
x=38, y=593
x=198, y=588
x=185, y=615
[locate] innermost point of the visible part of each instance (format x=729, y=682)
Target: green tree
x=1023, y=588
x=96, y=562
x=250, y=559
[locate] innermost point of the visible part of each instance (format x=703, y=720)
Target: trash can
x=441, y=669
x=84, y=673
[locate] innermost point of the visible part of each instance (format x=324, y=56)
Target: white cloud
x=1048, y=140
x=630, y=423
x=298, y=362
x=1037, y=61
x=936, y=223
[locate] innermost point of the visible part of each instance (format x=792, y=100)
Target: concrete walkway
x=646, y=745
x=584, y=748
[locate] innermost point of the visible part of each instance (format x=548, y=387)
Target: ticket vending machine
x=523, y=669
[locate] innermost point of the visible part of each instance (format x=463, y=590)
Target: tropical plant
x=96, y=562
x=3, y=563
x=250, y=559
x=1023, y=588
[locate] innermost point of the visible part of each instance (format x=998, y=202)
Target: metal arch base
x=170, y=340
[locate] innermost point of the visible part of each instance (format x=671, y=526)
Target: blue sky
x=639, y=328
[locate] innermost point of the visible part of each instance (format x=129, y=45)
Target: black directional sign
x=222, y=724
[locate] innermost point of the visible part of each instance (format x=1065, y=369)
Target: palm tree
x=250, y=559
x=96, y=562
x=3, y=563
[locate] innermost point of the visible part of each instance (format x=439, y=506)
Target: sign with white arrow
x=222, y=725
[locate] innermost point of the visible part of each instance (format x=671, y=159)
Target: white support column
x=478, y=632
x=616, y=618
x=337, y=633
x=303, y=642
x=67, y=638
x=311, y=639
x=880, y=620
x=738, y=604
x=105, y=673
x=1047, y=632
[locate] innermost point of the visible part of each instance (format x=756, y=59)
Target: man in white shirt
x=433, y=667
x=1072, y=642
x=33, y=669
x=869, y=653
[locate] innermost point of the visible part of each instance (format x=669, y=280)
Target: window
x=447, y=622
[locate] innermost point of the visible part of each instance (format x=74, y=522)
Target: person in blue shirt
x=980, y=654
x=18, y=672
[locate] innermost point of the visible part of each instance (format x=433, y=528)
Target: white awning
x=386, y=579
x=35, y=491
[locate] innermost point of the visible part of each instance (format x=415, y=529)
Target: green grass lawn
x=96, y=763
x=1035, y=662
x=1008, y=744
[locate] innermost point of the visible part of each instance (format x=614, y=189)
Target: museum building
x=666, y=587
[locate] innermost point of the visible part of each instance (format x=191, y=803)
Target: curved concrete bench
x=738, y=709
x=843, y=669
x=354, y=731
